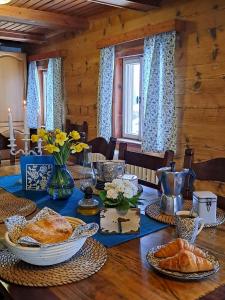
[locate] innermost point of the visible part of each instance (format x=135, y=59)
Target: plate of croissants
x=181, y=260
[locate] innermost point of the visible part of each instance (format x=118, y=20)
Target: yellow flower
x=61, y=138
x=34, y=138
x=57, y=130
x=42, y=133
x=75, y=135
x=76, y=148
x=51, y=148
x=84, y=146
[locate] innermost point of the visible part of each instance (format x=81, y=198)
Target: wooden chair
x=81, y=128
x=144, y=165
x=210, y=170
x=4, y=142
x=101, y=150
x=101, y=146
x=4, y=149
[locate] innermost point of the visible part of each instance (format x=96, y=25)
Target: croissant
x=174, y=247
x=186, y=262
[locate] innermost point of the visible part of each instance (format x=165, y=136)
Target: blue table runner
x=68, y=207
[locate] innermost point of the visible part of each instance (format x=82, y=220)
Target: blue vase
x=61, y=183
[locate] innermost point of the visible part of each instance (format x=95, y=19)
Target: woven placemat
x=153, y=211
x=90, y=258
x=11, y=205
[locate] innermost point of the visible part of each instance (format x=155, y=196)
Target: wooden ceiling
x=34, y=21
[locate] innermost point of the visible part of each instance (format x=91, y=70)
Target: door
x=12, y=88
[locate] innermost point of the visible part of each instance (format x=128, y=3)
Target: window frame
x=129, y=49
x=44, y=74
x=129, y=60
x=42, y=67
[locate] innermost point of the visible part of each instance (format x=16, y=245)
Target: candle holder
x=26, y=150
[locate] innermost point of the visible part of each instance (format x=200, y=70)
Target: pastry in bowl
x=186, y=262
x=48, y=238
x=49, y=230
x=175, y=246
x=50, y=255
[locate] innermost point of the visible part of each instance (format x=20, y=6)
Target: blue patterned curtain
x=159, y=128
x=54, y=95
x=33, y=96
x=105, y=91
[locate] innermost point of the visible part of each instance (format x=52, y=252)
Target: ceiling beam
x=41, y=18
x=142, y=5
x=25, y=37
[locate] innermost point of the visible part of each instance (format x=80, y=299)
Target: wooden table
x=127, y=275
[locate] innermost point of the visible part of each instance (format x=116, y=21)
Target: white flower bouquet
x=120, y=194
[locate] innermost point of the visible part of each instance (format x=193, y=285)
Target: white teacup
x=187, y=225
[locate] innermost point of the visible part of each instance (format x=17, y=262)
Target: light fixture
x=4, y=1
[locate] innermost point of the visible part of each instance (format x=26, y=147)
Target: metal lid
x=129, y=177
x=204, y=195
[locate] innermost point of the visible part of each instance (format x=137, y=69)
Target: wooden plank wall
x=200, y=70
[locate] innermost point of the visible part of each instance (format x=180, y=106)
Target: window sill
x=129, y=141
x=133, y=145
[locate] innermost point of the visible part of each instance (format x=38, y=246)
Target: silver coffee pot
x=172, y=183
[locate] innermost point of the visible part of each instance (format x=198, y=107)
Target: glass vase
x=61, y=183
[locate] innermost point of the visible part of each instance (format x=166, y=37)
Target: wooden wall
x=200, y=70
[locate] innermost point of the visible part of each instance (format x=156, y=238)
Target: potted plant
x=120, y=215
x=60, y=145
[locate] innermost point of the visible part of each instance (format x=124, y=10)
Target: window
x=44, y=102
x=42, y=75
x=127, y=98
x=132, y=104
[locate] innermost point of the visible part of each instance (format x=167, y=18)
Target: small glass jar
x=88, y=205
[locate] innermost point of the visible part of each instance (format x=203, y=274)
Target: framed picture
x=36, y=171
x=112, y=221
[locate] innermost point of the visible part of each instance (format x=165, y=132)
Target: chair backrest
x=81, y=128
x=210, y=170
x=4, y=142
x=143, y=165
x=101, y=146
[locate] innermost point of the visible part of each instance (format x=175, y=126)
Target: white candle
x=26, y=130
x=11, y=133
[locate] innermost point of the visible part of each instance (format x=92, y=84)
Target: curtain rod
x=47, y=55
x=141, y=33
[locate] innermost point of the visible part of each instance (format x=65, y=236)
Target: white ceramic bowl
x=50, y=255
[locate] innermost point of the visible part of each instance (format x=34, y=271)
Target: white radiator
x=97, y=157
x=143, y=173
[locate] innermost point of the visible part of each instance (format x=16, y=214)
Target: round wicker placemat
x=90, y=258
x=153, y=211
x=11, y=205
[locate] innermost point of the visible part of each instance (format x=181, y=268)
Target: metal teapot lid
x=172, y=170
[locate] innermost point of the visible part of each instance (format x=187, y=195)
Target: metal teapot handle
x=190, y=181
x=172, y=166
x=192, y=174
